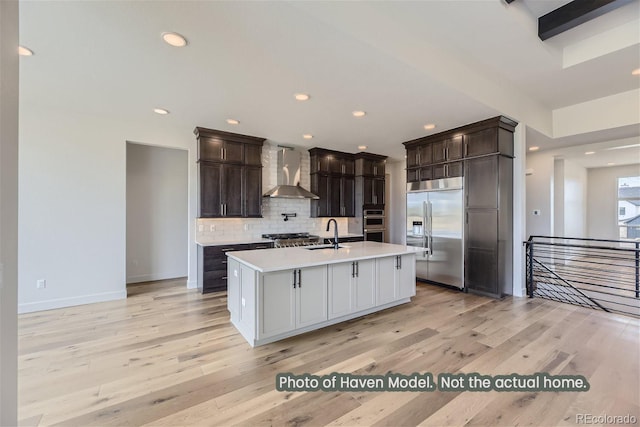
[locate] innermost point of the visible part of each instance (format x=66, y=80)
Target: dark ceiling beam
x=573, y=14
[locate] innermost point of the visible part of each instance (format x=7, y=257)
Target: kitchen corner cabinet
x=230, y=174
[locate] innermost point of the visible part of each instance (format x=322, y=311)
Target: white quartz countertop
x=267, y=260
x=212, y=242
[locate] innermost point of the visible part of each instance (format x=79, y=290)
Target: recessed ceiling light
x=307, y=136
x=161, y=111
x=301, y=96
x=362, y=147
x=589, y=152
x=610, y=164
x=359, y=113
x=636, y=72
x=233, y=121
x=430, y=126
x=24, y=51
x=174, y=39
x=534, y=148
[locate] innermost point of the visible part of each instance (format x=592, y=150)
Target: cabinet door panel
x=253, y=155
x=364, y=288
x=413, y=157
x=439, y=171
x=481, y=182
x=481, y=250
x=385, y=286
x=277, y=303
x=253, y=191
x=481, y=142
x=348, y=196
x=426, y=155
x=320, y=187
x=454, y=148
x=334, y=195
x=340, y=303
x=367, y=190
x=454, y=169
x=349, y=167
x=379, y=168
x=210, y=149
x=232, y=189
x=406, y=276
x=413, y=175
x=439, y=151
x=311, y=296
x=378, y=191
x=233, y=151
x=426, y=173
x=210, y=177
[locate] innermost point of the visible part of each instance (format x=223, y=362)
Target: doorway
x=156, y=213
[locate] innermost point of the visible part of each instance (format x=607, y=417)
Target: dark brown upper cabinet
x=333, y=180
x=441, y=155
x=230, y=174
x=368, y=164
x=447, y=149
x=332, y=162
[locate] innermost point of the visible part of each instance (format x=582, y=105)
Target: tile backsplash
x=223, y=229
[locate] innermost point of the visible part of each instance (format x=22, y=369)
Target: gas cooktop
x=284, y=236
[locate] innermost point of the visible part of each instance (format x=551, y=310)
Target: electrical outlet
x=246, y=227
x=41, y=284
x=536, y=212
x=201, y=227
x=243, y=302
x=212, y=227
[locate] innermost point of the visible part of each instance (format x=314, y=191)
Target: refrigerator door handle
x=430, y=228
x=425, y=227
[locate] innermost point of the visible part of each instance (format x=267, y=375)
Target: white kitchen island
x=277, y=293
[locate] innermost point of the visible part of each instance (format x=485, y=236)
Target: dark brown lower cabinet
x=212, y=264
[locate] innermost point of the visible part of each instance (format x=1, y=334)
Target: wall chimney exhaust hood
x=289, y=177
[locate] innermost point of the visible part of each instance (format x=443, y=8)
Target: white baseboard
x=52, y=304
x=192, y=284
x=153, y=276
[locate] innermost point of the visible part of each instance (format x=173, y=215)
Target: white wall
x=396, y=208
x=8, y=211
x=72, y=228
x=602, y=196
x=539, y=189
x=575, y=200
x=157, y=213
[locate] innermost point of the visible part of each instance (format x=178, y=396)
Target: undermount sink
x=329, y=246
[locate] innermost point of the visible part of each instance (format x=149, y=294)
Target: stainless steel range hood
x=289, y=177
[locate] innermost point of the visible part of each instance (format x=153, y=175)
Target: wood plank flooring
x=168, y=356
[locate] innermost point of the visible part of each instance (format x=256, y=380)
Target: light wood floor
x=168, y=356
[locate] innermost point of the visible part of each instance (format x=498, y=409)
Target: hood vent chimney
x=289, y=177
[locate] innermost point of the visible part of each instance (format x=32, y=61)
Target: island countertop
x=268, y=260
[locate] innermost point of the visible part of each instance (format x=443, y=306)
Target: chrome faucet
x=335, y=232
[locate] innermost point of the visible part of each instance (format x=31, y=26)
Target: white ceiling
x=405, y=63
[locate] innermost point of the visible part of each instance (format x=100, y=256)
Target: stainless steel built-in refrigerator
x=435, y=213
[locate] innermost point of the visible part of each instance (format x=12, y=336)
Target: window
x=629, y=207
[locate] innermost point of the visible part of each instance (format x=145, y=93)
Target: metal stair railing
x=594, y=273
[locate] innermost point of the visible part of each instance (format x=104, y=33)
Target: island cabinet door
x=311, y=296
x=340, y=293
x=386, y=290
x=276, y=303
x=364, y=285
x=406, y=275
